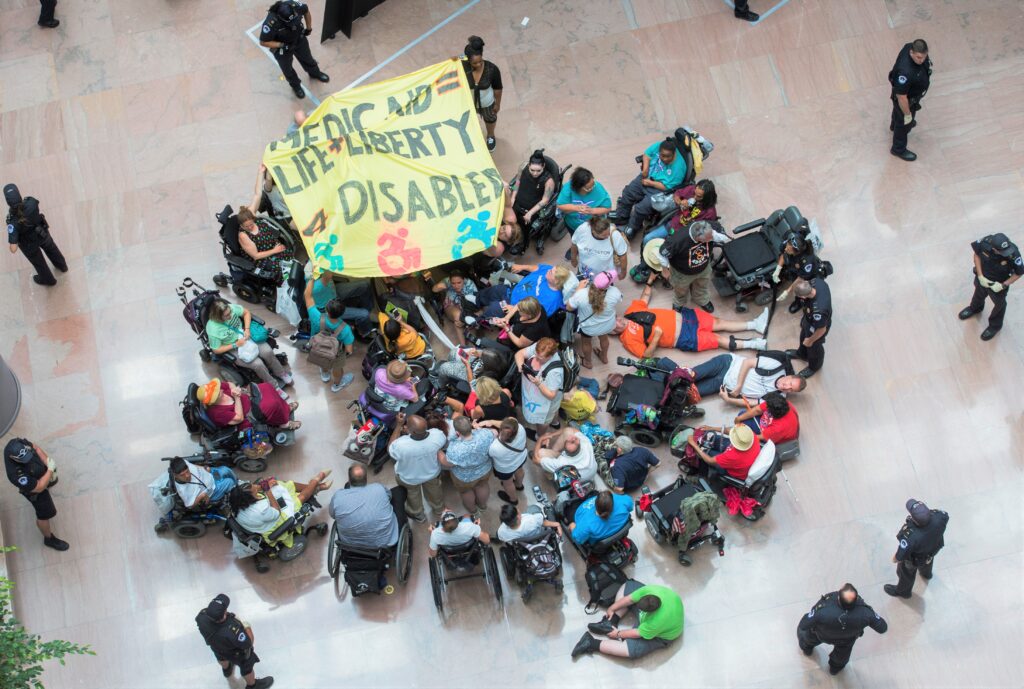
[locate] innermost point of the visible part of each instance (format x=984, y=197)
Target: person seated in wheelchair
x=453, y=531
x=774, y=419
x=456, y=288
x=262, y=506
x=567, y=446
x=229, y=329
x=695, y=202
x=597, y=517
x=400, y=338
x=396, y=387
x=464, y=365
x=662, y=170
x=199, y=487
x=524, y=526
x=355, y=294
x=533, y=190
x=260, y=242
x=368, y=516
x=733, y=453
x=227, y=404
x=642, y=329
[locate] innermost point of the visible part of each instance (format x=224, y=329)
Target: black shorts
x=43, y=504
x=501, y=476
x=245, y=665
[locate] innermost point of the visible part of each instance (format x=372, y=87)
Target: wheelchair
x=617, y=549
x=653, y=388
x=272, y=547
x=249, y=282
x=544, y=225
x=453, y=563
x=197, y=301
x=364, y=570
x=229, y=441
x=185, y=522
x=377, y=355
x=761, y=483
x=661, y=513
x=523, y=565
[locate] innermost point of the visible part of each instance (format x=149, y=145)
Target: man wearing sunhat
x=920, y=540
x=32, y=472
x=997, y=265
x=737, y=458
x=231, y=641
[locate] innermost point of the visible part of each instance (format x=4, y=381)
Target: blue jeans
x=659, y=232
x=711, y=374
x=490, y=298
x=223, y=481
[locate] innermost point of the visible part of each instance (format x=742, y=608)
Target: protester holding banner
x=485, y=80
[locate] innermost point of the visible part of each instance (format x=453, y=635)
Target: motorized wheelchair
x=250, y=282
x=364, y=570
x=184, y=521
x=651, y=405
x=742, y=268
x=544, y=224
x=761, y=483
x=231, y=442
x=377, y=355
x=197, y=301
x=662, y=512
x=529, y=562
x=453, y=563
x=273, y=546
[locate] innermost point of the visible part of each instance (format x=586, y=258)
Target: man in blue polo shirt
x=662, y=171
x=599, y=517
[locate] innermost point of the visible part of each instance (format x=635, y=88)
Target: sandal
x=292, y=406
x=292, y=426
x=504, y=496
x=602, y=355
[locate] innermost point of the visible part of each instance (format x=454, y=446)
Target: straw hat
x=208, y=394
x=741, y=437
x=651, y=253
x=398, y=371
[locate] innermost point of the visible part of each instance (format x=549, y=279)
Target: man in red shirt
x=774, y=419
x=737, y=458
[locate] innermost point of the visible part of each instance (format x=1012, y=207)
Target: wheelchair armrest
x=280, y=531
x=747, y=227
x=705, y=485
x=732, y=481
x=243, y=263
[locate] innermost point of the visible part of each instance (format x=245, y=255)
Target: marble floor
x=136, y=119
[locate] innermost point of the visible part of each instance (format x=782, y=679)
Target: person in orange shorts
x=643, y=329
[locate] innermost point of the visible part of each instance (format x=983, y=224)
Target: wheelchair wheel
x=251, y=466
x=507, y=563
x=281, y=437
x=656, y=533
x=221, y=280
x=403, y=554
x=334, y=553
x=205, y=356
x=685, y=559
x=558, y=231
x=763, y=298
x=189, y=529
x=245, y=292
x=645, y=437
x=160, y=527
x=289, y=554
x=437, y=584
x=232, y=376
x=491, y=575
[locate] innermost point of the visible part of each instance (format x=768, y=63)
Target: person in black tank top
x=534, y=189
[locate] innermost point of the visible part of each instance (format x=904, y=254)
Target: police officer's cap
x=218, y=606
x=999, y=241
x=12, y=195
x=919, y=512
x=19, y=450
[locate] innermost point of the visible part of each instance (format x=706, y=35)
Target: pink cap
x=605, y=279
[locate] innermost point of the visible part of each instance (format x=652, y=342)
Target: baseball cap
x=19, y=450
x=1002, y=244
x=448, y=516
x=12, y=195
x=218, y=606
x=919, y=512
x=605, y=279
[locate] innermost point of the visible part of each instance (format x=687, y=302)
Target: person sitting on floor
x=567, y=446
x=599, y=517
x=453, y=531
x=659, y=622
x=628, y=465
x=643, y=329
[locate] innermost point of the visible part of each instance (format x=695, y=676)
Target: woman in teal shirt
x=581, y=199
x=228, y=329
x=662, y=171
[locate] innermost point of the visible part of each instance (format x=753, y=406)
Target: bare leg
x=482, y=491
x=619, y=649
x=587, y=345
x=250, y=679
x=603, y=356
x=726, y=326
x=509, y=486
x=455, y=314
x=468, y=500
x=490, y=128
x=44, y=527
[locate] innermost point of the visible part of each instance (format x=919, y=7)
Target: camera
x=528, y=370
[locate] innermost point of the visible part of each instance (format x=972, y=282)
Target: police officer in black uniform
x=909, y=78
x=284, y=34
x=839, y=618
x=28, y=230
x=997, y=265
x=46, y=11
x=798, y=261
x=33, y=473
x=815, y=299
x=231, y=641
x=920, y=540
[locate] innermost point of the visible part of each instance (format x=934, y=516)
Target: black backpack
x=542, y=561
x=644, y=319
x=603, y=582
x=188, y=409
x=784, y=363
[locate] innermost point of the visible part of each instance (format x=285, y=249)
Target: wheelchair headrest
x=607, y=542
x=552, y=167
x=229, y=230
x=763, y=463
x=793, y=218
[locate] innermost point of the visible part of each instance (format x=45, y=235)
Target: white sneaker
x=758, y=343
x=287, y=379
x=345, y=381
x=283, y=394
x=325, y=376
x=761, y=322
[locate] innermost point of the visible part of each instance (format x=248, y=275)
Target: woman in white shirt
x=262, y=506
x=595, y=303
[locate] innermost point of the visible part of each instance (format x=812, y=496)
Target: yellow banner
x=392, y=177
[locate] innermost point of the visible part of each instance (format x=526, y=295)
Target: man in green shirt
x=660, y=620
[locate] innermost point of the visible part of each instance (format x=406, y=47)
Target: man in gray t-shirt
x=365, y=515
x=416, y=463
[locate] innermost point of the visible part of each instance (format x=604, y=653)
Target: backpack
x=188, y=410
x=324, y=346
x=783, y=359
x=570, y=365
x=644, y=319
x=542, y=561
x=603, y=582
